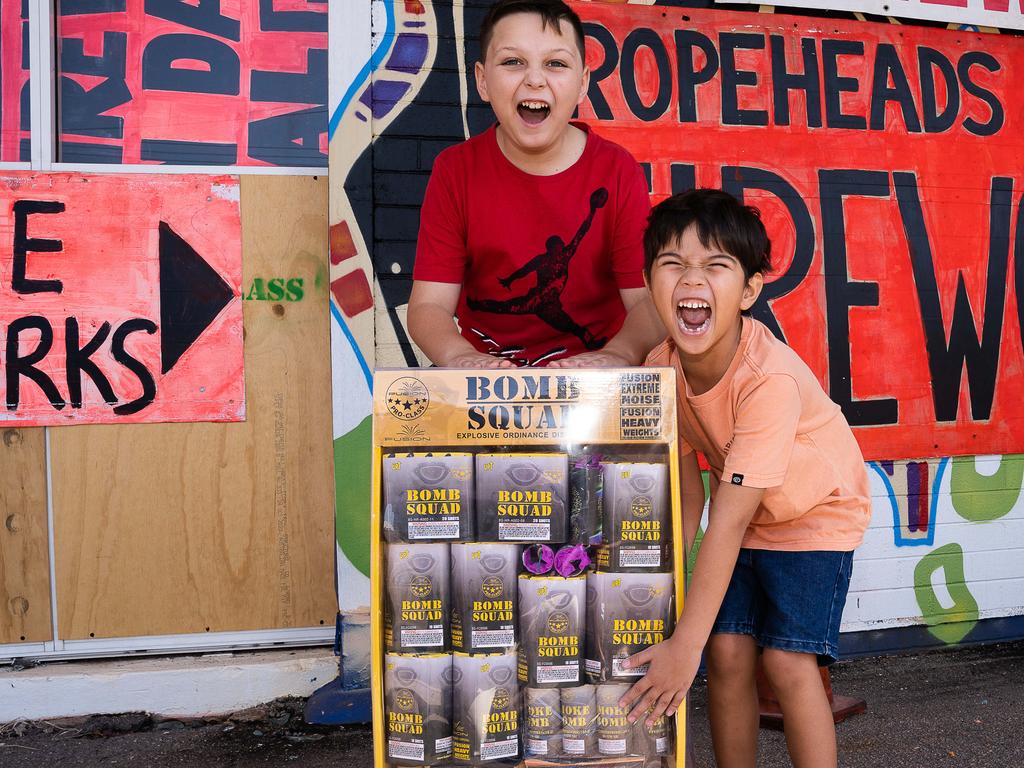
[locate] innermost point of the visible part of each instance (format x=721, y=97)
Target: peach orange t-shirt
x=769, y=424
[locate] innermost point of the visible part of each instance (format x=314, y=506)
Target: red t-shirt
x=540, y=259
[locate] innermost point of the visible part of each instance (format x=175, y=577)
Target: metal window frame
x=45, y=116
x=162, y=645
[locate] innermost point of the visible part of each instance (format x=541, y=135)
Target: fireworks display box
x=492, y=491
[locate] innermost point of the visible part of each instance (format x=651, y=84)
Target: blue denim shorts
x=792, y=601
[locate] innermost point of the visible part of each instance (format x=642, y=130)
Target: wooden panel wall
x=24, y=550
x=174, y=528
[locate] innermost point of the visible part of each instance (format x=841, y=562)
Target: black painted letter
x=841, y=293
x=689, y=78
x=18, y=366
x=23, y=244
x=946, y=359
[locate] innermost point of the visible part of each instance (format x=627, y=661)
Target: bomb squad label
x=626, y=613
x=521, y=497
x=417, y=708
x=417, y=609
x=486, y=703
x=485, y=596
x=551, y=634
x=428, y=497
x=636, y=518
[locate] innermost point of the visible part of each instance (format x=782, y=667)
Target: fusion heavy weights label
x=636, y=526
x=418, y=708
x=485, y=707
x=418, y=605
x=626, y=613
x=485, y=597
x=551, y=627
x=428, y=497
x=521, y=497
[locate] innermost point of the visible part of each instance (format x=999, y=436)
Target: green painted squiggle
x=982, y=498
x=949, y=625
x=352, y=452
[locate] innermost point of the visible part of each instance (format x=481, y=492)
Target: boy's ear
x=481, y=81
x=752, y=290
x=584, y=86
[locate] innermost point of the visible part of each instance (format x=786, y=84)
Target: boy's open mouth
x=533, y=111
x=694, y=315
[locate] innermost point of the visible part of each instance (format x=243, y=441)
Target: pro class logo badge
x=407, y=398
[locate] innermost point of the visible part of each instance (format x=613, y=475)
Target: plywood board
x=165, y=529
x=24, y=550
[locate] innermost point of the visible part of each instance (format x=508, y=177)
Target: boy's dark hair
x=550, y=11
x=721, y=220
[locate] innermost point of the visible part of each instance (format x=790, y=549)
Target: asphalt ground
x=962, y=707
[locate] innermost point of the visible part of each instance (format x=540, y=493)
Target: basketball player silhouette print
x=552, y=269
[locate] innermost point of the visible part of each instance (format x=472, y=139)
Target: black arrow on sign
x=192, y=294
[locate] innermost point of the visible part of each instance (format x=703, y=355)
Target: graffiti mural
x=376, y=76
x=962, y=566
x=208, y=84
x=898, y=272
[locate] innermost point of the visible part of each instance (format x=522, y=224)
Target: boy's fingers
x=634, y=693
x=677, y=700
x=640, y=710
x=637, y=659
x=659, y=708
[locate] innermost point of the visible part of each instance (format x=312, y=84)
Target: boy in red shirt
x=531, y=233
x=789, y=492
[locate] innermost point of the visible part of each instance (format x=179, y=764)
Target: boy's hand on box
x=476, y=360
x=663, y=688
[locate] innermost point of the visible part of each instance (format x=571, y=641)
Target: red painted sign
x=221, y=83
x=119, y=299
x=886, y=161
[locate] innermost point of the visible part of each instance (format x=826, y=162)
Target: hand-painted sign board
x=1008, y=14
x=886, y=161
x=119, y=299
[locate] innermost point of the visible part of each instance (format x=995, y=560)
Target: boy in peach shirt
x=789, y=491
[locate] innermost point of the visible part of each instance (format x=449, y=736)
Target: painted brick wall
x=944, y=548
